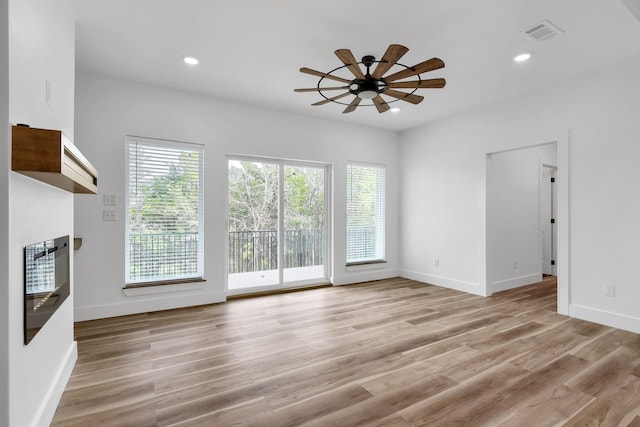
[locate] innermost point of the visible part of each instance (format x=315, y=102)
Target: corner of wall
x=32, y=33
x=458, y=285
x=47, y=410
x=4, y=212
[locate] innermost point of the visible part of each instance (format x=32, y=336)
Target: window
x=164, y=211
x=365, y=213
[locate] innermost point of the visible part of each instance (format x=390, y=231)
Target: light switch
x=109, y=215
x=110, y=200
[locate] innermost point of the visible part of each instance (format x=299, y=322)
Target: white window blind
x=365, y=213
x=164, y=233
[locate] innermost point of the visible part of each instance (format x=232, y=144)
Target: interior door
x=547, y=219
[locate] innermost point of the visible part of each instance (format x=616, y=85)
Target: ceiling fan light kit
x=371, y=85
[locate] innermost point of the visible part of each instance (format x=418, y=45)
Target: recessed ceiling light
x=522, y=57
x=191, y=60
x=395, y=110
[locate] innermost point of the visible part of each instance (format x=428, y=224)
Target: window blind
x=164, y=232
x=365, y=213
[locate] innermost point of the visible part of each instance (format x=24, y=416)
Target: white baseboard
x=146, y=304
x=364, y=276
x=445, y=282
x=48, y=408
x=616, y=320
x=514, y=282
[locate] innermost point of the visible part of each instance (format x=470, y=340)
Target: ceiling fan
x=371, y=85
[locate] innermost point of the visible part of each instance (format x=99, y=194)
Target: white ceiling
x=251, y=50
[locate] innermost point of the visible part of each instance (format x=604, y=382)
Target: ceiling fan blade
x=326, y=101
x=391, y=56
x=423, y=67
x=353, y=105
x=381, y=104
x=348, y=59
x=321, y=74
x=319, y=89
x=409, y=97
x=418, y=84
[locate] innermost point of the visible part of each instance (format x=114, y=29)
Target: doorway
x=520, y=216
x=277, y=224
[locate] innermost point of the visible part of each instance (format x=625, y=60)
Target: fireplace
x=46, y=282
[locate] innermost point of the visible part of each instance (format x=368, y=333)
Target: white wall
x=443, y=184
x=41, y=47
x=4, y=212
x=513, y=216
x=107, y=109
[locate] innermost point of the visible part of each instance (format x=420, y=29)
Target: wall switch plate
x=436, y=262
x=109, y=215
x=110, y=200
x=609, y=290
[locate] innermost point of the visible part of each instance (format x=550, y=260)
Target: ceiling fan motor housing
x=367, y=88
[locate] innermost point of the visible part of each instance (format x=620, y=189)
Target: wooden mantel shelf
x=49, y=156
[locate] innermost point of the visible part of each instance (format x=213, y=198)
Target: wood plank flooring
x=386, y=353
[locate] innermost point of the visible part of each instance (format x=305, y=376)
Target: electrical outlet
x=109, y=215
x=609, y=290
x=110, y=200
x=436, y=262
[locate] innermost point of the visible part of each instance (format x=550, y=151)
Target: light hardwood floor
x=386, y=353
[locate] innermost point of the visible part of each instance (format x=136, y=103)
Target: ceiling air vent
x=543, y=31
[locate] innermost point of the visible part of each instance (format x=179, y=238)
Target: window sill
x=150, y=288
x=374, y=261
x=365, y=265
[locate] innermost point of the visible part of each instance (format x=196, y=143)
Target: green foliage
x=304, y=198
x=166, y=203
x=253, y=196
x=362, y=203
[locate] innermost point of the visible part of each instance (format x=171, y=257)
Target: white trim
x=458, y=285
x=146, y=305
x=162, y=289
x=47, y=410
x=514, y=282
x=563, y=264
x=280, y=232
x=367, y=276
x=366, y=266
x=615, y=320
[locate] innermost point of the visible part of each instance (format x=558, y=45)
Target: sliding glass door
x=304, y=223
x=253, y=224
x=277, y=224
